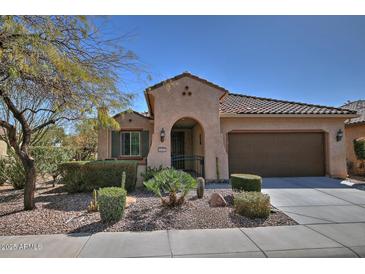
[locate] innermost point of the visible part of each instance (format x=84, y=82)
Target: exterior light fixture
x=339, y=135
x=162, y=135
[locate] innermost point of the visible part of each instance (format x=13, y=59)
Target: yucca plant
x=171, y=181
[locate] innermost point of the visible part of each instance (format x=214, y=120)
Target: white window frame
x=130, y=143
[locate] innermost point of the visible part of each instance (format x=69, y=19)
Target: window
x=130, y=143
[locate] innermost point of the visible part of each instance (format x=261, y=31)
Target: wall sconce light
x=339, y=135
x=162, y=135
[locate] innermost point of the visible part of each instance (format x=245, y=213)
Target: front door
x=177, y=149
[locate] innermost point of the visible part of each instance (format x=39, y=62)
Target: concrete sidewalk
x=322, y=240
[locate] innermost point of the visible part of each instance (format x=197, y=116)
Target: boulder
x=130, y=200
x=217, y=200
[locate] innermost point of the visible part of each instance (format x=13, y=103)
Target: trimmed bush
x=84, y=176
x=246, y=182
x=111, y=203
x=73, y=176
x=252, y=204
x=359, y=148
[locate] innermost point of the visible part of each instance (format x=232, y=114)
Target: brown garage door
x=277, y=154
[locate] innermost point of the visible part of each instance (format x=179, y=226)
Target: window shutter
x=145, y=143
x=115, y=144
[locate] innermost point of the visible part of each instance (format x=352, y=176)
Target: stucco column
x=103, y=144
x=336, y=154
x=214, y=149
x=160, y=152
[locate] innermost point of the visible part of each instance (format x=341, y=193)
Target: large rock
x=130, y=200
x=217, y=200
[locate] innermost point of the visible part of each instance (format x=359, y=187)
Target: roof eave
x=131, y=111
x=355, y=124
x=148, y=102
x=236, y=115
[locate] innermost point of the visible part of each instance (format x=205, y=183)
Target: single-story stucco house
x=198, y=126
x=354, y=129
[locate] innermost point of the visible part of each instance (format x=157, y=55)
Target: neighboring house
x=3, y=147
x=195, y=125
x=354, y=129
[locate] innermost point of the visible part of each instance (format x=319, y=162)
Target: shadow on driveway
x=291, y=183
x=302, y=182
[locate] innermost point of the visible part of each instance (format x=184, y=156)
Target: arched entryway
x=187, y=146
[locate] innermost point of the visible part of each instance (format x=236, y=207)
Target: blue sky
x=313, y=59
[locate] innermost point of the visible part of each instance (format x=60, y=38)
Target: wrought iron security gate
x=192, y=164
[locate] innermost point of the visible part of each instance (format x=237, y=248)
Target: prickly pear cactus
x=201, y=187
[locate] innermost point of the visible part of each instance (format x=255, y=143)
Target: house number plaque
x=162, y=149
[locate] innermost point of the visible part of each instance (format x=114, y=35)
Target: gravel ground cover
x=60, y=212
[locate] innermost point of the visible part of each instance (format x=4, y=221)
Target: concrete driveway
x=316, y=200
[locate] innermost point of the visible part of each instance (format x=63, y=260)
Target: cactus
x=123, y=179
x=217, y=168
x=93, y=206
x=201, y=187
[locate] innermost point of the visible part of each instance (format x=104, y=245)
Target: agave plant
x=171, y=181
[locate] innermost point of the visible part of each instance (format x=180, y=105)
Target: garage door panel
x=277, y=154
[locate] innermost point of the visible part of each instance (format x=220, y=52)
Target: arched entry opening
x=187, y=146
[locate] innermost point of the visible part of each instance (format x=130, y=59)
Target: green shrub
x=72, y=176
x=252, y=204
x=12, y=171
x=359, y=148
x=47, y=159
x=2, y=170
x=111, y=203
x=84, y=176
x=150, y=172
x=246, y=182
x=171, y=181
x=16, y=174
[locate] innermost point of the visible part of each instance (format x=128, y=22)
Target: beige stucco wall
x=170, y=105
x=335, y=151
x=140, y=169
x=351, y=133
x=127, y=121
x=2, y=148
x=198, y=148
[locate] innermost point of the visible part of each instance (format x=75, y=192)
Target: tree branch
x=51, y=122
x=6, y=125
x=38, y=110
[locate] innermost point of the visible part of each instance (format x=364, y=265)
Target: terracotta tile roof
x=244, y=104
x=359, y=106
x=232, y=103
x=186, y=74
x=143, y=114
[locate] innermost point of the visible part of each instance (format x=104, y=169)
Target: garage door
x=277, y=154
